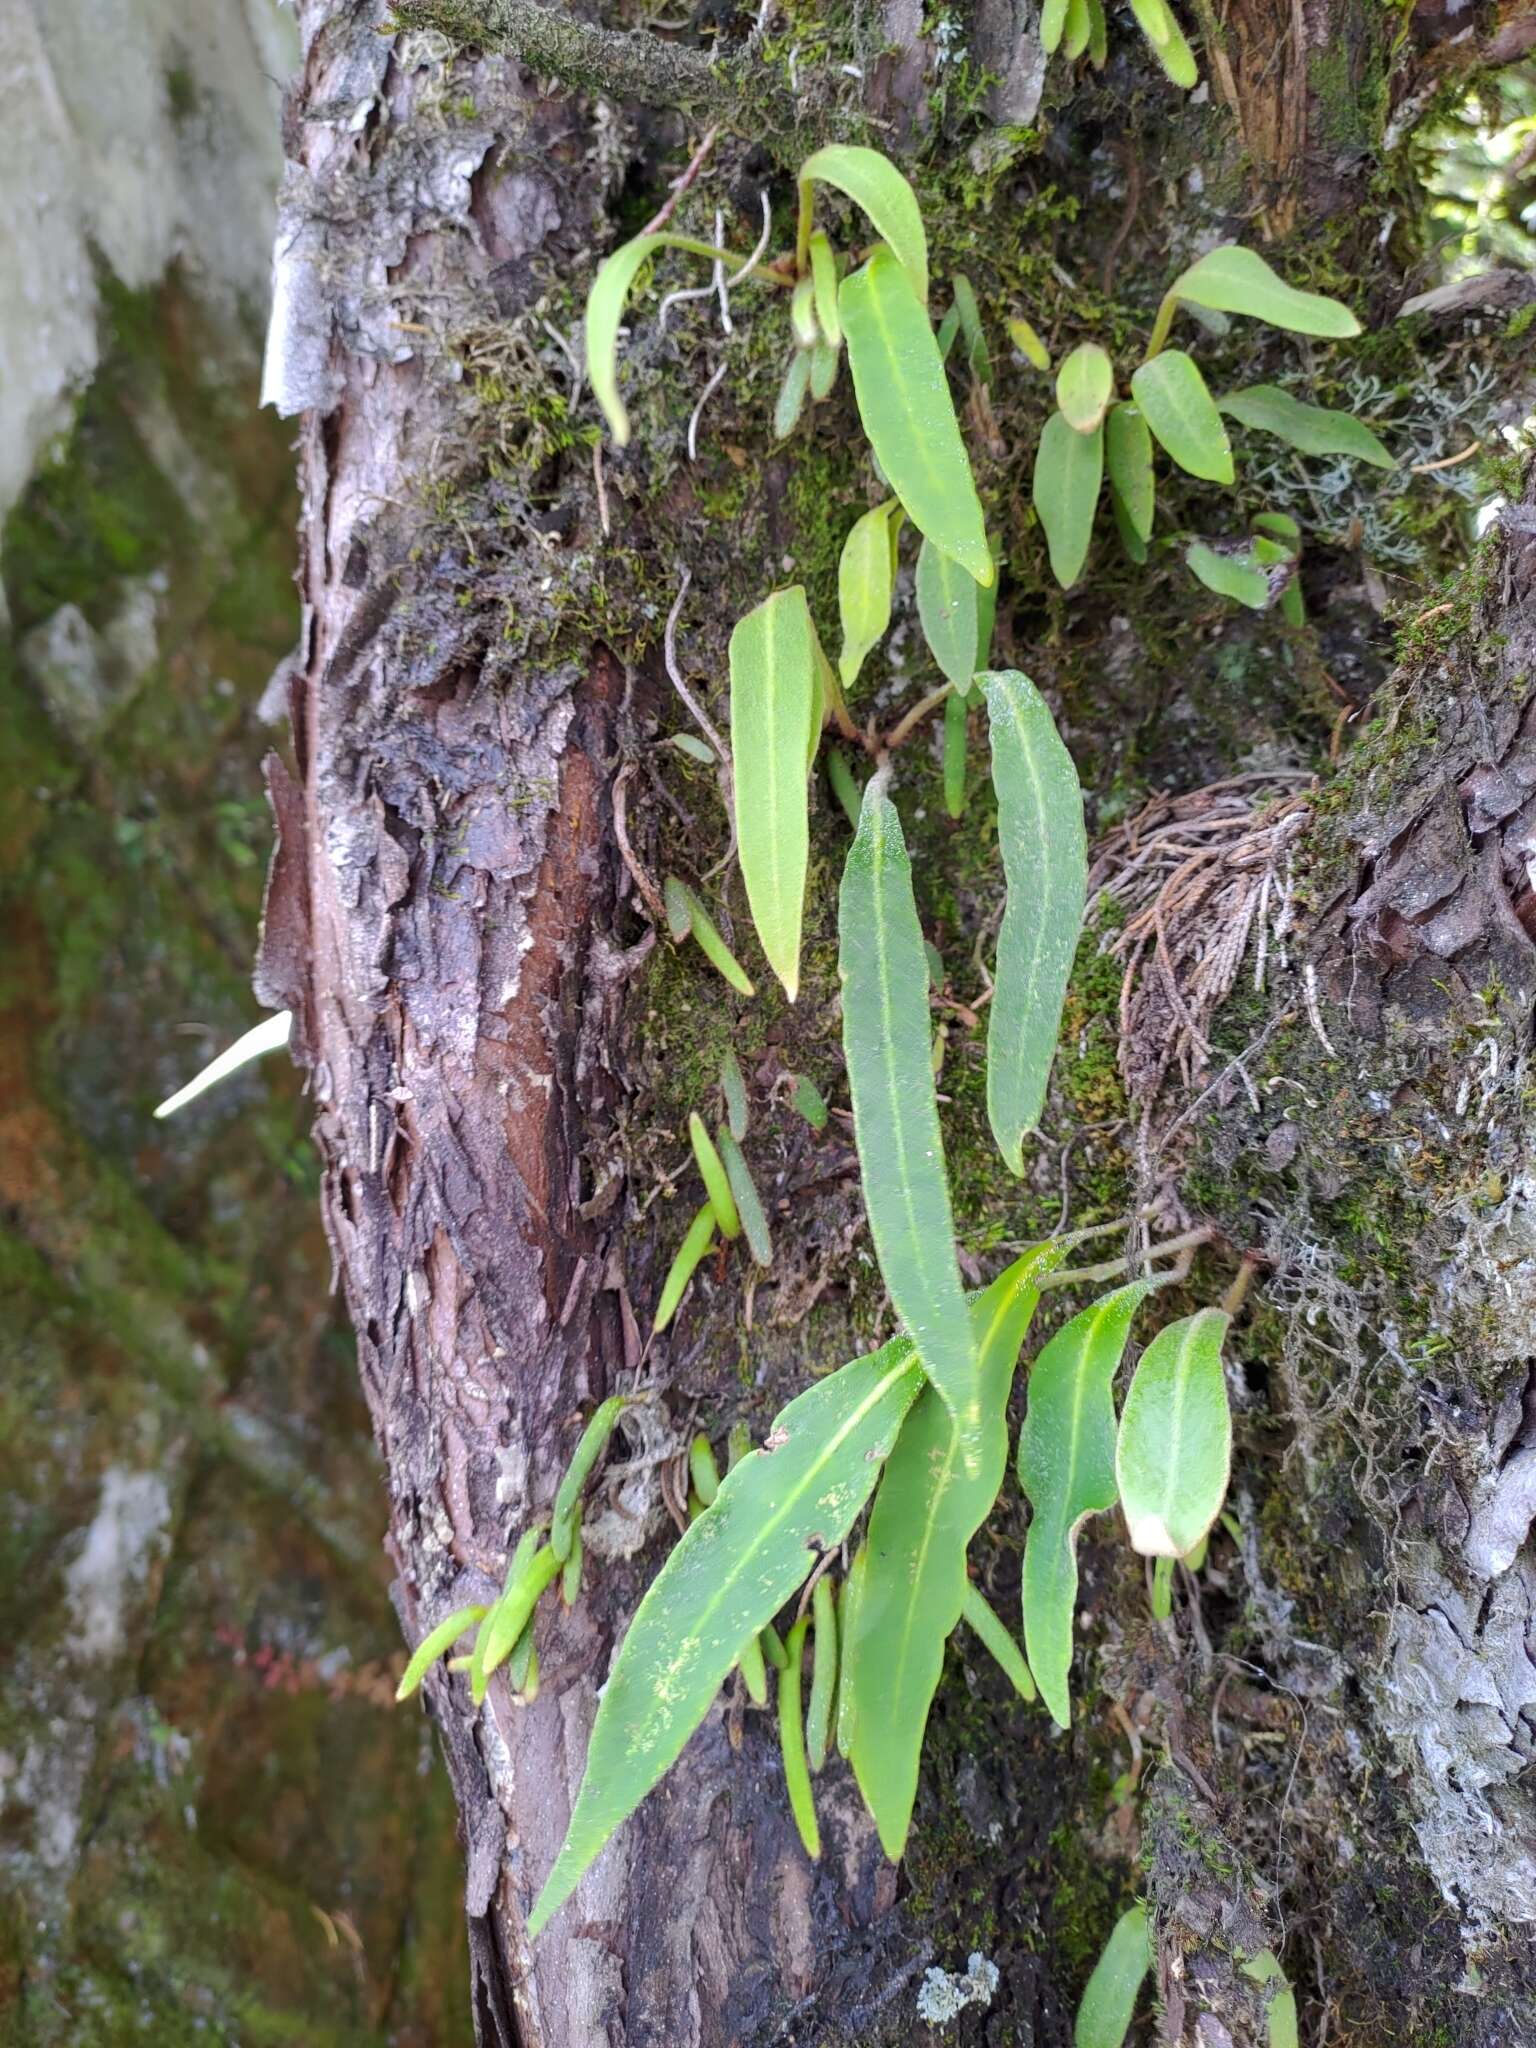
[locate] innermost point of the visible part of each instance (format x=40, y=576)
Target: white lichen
x=943, y=1996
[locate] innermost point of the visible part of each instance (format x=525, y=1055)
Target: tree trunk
x=502, y=1052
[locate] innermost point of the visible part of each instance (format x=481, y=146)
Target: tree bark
x=492, y=1036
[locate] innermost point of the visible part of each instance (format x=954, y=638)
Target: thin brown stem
x=1112, y=1269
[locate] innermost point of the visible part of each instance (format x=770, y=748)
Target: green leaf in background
x=1067, y=1470
x=790, y=402
x=977, y=355
x=895, y=1115
x=1109, y=2001
x=1068, y=469
x=1045, y=863
x=824, y=289
x=1311, y=428
x=912, y=1589
x=1235, y=576
x=1128, y=458
x=697, y=1240
x=1283, y=2028
x=986, y=620
x=874, y=184
x=723, y=1583
x=1098, y=35
x=1028, y=343
x=605, y=311
x=824, y=365
x=807, y=1099
x=1232, y=279
x=904, y=402
x=948, y=604
x=866, y=571
x=733, y=1087
x=1173, y=1456
x=754, y=1219
x=685, y=914
x=774, y=686
x=1085, y=384
x=1174, y=402
x=957, y=723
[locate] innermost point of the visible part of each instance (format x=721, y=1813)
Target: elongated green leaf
x=1154, y=21
x=1173, y=1456
x=1068, y=469
x=986, y=1623
x=986, y=620
x=1078, y=28
x=818, y=1711
x=1028, y=343
x=873, y=183
x=978, y=356
x=948, y=606
x=605, y=311
x=824, y=364
x=437, y=1643
x=912, y=1583
x=1311, y=428
x=1232, y=279
x=824, y=289
x=895, y=1116
x=1173, y=52
x=1067, y=1471
x=956, y=737
x=1109, y=2002
x=754, y=1221
x=1085, y=383
x=790, y=402
x=1235, y=576
x=1098, y=35
x=1045, y=863
x=685, y=914
x=1174, y=402
x=733, y=1086
x=712, y=1169
x=1135, y=547
x=904, y=402
x=566, y=1519
x=797, y=1779
x=1053, y=19
x=865, y=574
x=1128, y=458
x=723, y=1583
x=697, y=1240
x=773, y=710
x=847, y=1626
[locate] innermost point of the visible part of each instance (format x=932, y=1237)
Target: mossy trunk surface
x=1322, y=1754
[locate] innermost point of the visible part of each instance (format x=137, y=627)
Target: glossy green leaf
x=437, y=1643
x=722, y=1584
x=824, y=290
x=773, y=710
x=754, y=1220
x=605, y=312
x=1085, y=383
x=957, y=724
x=1068, y=469
x=875, y=185
x=1045, y=863
x=1172, y=397
x=1128, y=458
x=1235, y=576
x=913, y=1581
x=904, y=402
x=1028, y=343
x=1067, y=1470
x=1173, y=1456
x=699, y=1237
x=685, y=914
x=1311, y=428
x=895, y=1116
x=983, y=1619
x=865, y=575
x=948, y=605
x=790, y=402
x=712, y=1169
x=1109, y=2001
x=1232, y=279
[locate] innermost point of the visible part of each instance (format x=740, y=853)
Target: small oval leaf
x=865, y=573
x=1314, y=429
x=874, y=184
x=1232, y=279
x=774, y=687
x=1236, y=576
x=948, y=604
x=1173, y=1456
x=1174, y=402
x=1085, y=383
x=1068, y=469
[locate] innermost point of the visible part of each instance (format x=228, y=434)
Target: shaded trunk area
x=1300, y=1014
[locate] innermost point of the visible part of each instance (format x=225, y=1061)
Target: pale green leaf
x=807, y=1099
x=1283, y=2028
x=948, y=604
x=1128, y=458
x=685, y=914
x=697, y=1240
x=1067, y=1470
x=1028, y=343
x=790, y=402
x=1173, y=1456
x=802, y=314
x=712, y=1170
x=908, y=414
x=773, y=711
x=983, y=1619
x=1085, y=383
x=912, y=1583
x=1281, y=526
x=1172, y=397
x=1154, y=20
x=797, y=1778
x=1236, y=576
x=865, y=573
x=723, y=1583
x=437, y=1644
x=1135, y=547
x=986, y=619
x=1045, y=863
x=1172, y=52
x=1109, y=2001
x=1068, y=469
x=1232, y=279
x=605, y=311
x=874, y=184
x=895, y=1116
x=733, y=1087
x=1314, y=429
x=824, y=364
x=824, y=289
x=1053, y=19
x=754, y=1219
x=566, y=1518
x=977, y=355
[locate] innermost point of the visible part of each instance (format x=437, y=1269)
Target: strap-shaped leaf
x=957, y=733
x=1157, y=23
x=873, y=183
x=1053, y=19
x=865, y=573
x=1181, y=412
x=1236, y=576
x=1173, y=1456
x=1109, y=2001
x=908, y=414
x=1069, y=467
x=912, y=1580
x=605, y=310
x=1045, y=864
x=948, y=606
x=824, y=289
x=1314, y=429
x=1078, y=28
x=1128, y=458
x=724, y=1581
x=1232, y=279
x=1085, y=383
x=895, y=1116
x=774, y=694
x=1067, y=1471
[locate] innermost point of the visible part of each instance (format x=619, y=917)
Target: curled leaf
x=874, y=184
